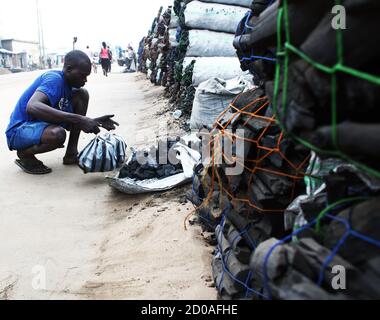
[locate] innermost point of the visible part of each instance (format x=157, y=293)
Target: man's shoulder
x=53, y=75
x=52, y=84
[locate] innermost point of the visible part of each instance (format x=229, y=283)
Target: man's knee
x=54, y=135
x=80, y=101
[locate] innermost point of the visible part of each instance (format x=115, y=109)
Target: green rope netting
x=284, y=50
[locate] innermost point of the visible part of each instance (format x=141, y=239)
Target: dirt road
x=70, y=236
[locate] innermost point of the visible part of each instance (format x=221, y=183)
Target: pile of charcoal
x=157, y=162
x=301, y=220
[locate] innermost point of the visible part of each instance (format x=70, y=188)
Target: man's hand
x=89, y=125
x=106, y=122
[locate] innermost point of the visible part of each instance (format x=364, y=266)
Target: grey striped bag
x=104, y=153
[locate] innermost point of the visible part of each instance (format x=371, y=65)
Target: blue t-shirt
x=53, y=85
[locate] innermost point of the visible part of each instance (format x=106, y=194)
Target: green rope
x=283, y=52
x=334, y=205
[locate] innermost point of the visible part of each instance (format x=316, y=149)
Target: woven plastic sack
x=213, y=67
x=212, y=97
x=205, y=43
x=212, y=16
x=174, y=21
x=103, y=154
x=173, y=37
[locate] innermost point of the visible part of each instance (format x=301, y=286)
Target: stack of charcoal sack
x=189, y=43
x=156, y=48
x=312, y=233
x=254, y=173
x=205, y=35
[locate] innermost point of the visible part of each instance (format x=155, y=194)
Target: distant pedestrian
x=88, y=52
x=105, y=58
x=130, y=58
x=49, y=62
x=110, y=57
x=92, y=58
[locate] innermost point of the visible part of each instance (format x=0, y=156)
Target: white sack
x=213, y=67
x=212, y=16
x=205, y=43
x=213, y=96
x=174, y=21
x=172, y=37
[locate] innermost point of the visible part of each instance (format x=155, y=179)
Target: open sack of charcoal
x=104, y=153
x=254, y=173
x=162, y=167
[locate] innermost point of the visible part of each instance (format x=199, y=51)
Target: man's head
x=77, y=68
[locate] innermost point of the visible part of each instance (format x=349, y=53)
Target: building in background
x=20, y=54
x=57, y=58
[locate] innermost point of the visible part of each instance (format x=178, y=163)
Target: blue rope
x=252, y=242
x=225, y=269
x=365, y=238
x=253, y=58
x=280, y=242
x=248, y=16
x=247, y=284
x=328, y=259
x=341, y=242
x=245, y=20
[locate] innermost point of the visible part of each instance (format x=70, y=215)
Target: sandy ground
x=70, y=236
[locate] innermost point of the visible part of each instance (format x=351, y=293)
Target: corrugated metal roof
x=18, y=40
x=6, y=51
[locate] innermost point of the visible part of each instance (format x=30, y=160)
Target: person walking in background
x=49, y=62
x=105, y=58
x=110, y=57
x=92, y=58
x=88, y=52
x=130, y=58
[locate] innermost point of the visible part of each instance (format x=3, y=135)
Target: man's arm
x=38, y=107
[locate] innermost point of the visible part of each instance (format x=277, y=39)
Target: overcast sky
x=118, y=22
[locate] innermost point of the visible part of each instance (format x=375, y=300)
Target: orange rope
x=220, y=132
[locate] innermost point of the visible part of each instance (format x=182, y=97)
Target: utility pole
x=41, y=43
x=39, y=34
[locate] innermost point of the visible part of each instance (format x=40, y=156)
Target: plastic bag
x=212, y=97
x=103, y=153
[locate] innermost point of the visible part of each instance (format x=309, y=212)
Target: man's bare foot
x=70, y=159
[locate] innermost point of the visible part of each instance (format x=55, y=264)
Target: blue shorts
x=26, y=135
